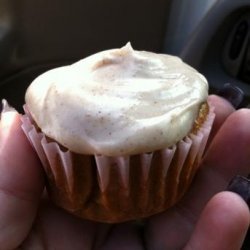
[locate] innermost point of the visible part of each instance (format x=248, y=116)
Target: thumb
x=223, y=224
x=21, y=182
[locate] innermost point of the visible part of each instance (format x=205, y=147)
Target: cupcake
x=120, y=133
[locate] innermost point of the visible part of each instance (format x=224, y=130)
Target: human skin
x=206, y=218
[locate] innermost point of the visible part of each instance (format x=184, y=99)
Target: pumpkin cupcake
x=120, y=133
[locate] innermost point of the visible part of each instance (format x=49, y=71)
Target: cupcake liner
x=115, y=189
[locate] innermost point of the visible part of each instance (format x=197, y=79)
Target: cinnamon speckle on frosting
x=118, y=101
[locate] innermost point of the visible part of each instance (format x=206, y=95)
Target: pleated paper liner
x=117, y=189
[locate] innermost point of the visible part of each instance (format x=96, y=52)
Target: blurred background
x=210, y=35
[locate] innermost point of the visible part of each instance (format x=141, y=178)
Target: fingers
x=21, y=182
x=123, y=236
x=223, y=224
x=57, y=229
x=229, y=152
x=222, y=109
x=228, y=155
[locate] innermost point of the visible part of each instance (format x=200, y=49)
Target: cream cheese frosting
x=118, y=102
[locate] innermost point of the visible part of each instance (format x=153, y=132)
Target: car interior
x=210, y=35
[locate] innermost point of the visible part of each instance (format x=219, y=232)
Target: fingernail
x=5, y=107
x=233, y=94
x=240, y=185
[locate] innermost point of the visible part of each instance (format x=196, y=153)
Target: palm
x=53, y=228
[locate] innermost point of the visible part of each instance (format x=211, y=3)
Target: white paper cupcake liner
x=161, y=176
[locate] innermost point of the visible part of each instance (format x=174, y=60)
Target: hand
x=206, y=218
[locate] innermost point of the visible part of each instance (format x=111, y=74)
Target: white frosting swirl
x=118, y=102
